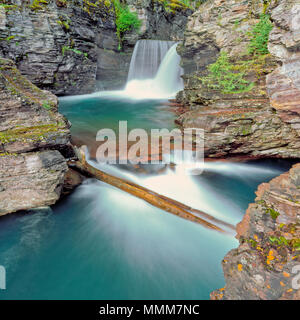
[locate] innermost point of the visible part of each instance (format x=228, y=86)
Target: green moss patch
x=35, y=133
x=38, y=5
x=20, y=86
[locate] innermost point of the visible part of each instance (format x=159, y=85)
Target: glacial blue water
x=101, y=243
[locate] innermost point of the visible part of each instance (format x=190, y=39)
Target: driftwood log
x=155, y=199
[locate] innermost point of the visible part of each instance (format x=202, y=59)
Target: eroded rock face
x=263, y=121
x=54, y=44
x=29, y=116
x=30, y=180
x=71, y=47
x=159, y=23
x=265, y=264
x=34, y=141
x=283, y=84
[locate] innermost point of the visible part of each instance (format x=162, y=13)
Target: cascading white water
x=154, y=72
x=146, y=58
x=168, y=77
x=166, y=82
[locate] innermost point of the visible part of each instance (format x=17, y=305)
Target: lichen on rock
x=34, y=141
x=262, y=267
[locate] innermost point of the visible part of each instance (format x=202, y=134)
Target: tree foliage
x=260, y=35
x=223, y=76
x=125, y=20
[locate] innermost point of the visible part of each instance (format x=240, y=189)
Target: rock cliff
x=34, y=141
x=251, y=107
x=266, y=265
x=54, y=42
x=246, y=98
x=71, y=47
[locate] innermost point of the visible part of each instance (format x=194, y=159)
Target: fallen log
x=155, y=199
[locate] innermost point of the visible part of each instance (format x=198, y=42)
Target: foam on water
x=154, y=73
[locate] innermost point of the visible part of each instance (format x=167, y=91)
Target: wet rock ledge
x=264, y=266
x=34, y=143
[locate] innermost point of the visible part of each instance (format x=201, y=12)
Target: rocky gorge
x=71, y=47
x=260, y=119
x=66, y=47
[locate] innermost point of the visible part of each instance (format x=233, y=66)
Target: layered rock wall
x=71, y=47
x=34, y=143
x=262, y=121
x=259, y=122
x=54, y=43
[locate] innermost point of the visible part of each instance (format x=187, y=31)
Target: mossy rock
x=20, y=86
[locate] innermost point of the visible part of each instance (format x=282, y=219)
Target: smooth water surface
x=101, y=243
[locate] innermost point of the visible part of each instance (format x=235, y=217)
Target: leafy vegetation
x=125, y=20
x=282, y=241
x=9, y=38
x=46, y=105
x=223, y=76
x=67, y=48
x=259, y=36
x=229, y=78
x=177, y=5
x=38, y=4
x=8, y=7
x=273, y=213
x=64, y=24
x=279, y=241
x=173, y=5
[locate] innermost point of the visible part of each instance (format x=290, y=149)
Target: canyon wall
x=34, y=143
x=266, y=264
x=71, y=47
x=262, y=120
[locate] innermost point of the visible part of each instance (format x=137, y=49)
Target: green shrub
x=64, y=24
x=224, y=76
x=282, y=241
x=125, y=20
x=279, y=241
x=273, y=213
x=260, y=36
x=67, y=48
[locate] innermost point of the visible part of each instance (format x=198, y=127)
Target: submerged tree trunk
x=155, y=199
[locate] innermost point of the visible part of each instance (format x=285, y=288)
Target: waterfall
x=168, y=77
x=146, y=58
x=155, y=71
